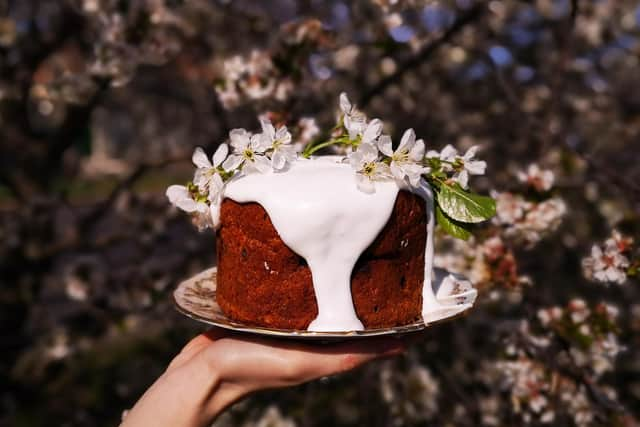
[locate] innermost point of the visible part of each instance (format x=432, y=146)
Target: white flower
x=579, y=311
x=469, y=167
x=307, y=130
x=462, y=165
x=605, y=266
x=180, y=196
x=207, y=177
x=541, y=180
x=448, y=153
x=355, y=122
x=279, y=141
x=411, y=392
x=365, y=161
x=510, y=208
x=406, y=161
x=248, y=151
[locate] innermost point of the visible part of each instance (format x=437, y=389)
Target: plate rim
x=235, y=326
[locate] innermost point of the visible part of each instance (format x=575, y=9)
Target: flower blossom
x=366, y=162
x=307, y=130
x=526, y=380
x=355, y=122
x=181, y=197
x=248, y=152
x=411, y=393
x=251, y=78
x=207, y=177
x=463, y=166
x=510, y=208
x=406, y=161
x=608, y=263
x=279, y=142
x=207, y=185
x=540, y=179
x=527, y=221
x=605, y=266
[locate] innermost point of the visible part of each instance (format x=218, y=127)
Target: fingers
x=338, y=358
x=195, y=346
x=251, y=363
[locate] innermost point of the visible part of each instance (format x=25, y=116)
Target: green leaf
x=464, y=206
x=450, y=226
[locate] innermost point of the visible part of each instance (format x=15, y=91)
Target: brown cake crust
x=262, y=282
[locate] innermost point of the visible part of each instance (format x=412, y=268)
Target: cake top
x=369, y=164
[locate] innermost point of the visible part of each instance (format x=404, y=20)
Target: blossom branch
x=424, y=54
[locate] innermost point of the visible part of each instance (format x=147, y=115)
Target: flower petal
x=260, y=142
x=283, y=135
x=261, y=164
x=345, y=105
x=448, y=153
x=232, y=162
x=239, y=139
x=216, y=186
x=470, y=154
x=278, y=160
x=220, y=154
x=397, y=171
x=385, y=145
x=177, y=192
x=407, y=141
x=289, y=153
x=382, y=171
x=463, y=178
x=416, y=153
x=199, y=158
x=369, y=152
x=201, y=178
x=372, y=131
x=431, y=154
x=267, y=128
x=477, y=167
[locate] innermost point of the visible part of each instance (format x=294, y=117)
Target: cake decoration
x=330, y=209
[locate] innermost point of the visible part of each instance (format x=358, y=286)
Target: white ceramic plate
x=196, y=298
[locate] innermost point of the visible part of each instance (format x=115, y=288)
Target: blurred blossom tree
x=103, y=101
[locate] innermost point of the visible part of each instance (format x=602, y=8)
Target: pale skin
x=218, y=368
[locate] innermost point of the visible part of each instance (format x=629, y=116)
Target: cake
x=302, y=250
x=262, y=281
x=331, y=243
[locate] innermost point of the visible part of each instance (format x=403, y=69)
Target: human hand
x=217, y=368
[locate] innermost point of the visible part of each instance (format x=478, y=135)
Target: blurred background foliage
x=103, y=101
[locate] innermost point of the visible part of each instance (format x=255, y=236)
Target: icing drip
x=432, y=309
x=330, y=224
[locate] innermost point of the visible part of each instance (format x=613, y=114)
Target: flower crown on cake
x=369, y=152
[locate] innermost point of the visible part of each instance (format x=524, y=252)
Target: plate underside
x=196, y=298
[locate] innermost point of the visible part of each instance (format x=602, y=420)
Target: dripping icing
x=330, y=224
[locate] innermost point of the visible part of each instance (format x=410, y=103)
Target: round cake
x=306, y=249
x=261, y=281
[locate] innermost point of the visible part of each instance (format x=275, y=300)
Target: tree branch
x=98, y=211
x=424, y=54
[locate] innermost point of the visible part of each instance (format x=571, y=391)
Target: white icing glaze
x=321, y=215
